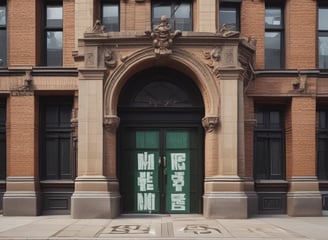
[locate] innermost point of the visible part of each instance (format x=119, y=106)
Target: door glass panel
x=146, y=177
x=178, y=172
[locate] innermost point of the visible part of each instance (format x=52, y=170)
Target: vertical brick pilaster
x=304, y=198
x=22, y=32
x=300, y=51
x=21, y=196
x=68, y=29
x=252, y=24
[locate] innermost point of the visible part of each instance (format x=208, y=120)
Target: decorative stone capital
x=210, y=124
x=111, y=123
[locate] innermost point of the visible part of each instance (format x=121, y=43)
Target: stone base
x=95, y=205
x=226, y=205
x=252, y=203
x=301, y=204
x=21, y=204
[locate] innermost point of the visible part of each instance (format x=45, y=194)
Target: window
x=2, y=139
x=269, y=145
x=3, y=34
x=322, y=144
x=55, y=135
x=274, y=37
x=54, y=34
x=323, y=36
x=179, y=14
x=110, y=16
x=229, y=14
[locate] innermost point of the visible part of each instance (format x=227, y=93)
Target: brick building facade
x=219, y=108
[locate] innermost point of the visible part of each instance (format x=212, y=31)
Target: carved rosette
x=111, y=123
x=210, y=124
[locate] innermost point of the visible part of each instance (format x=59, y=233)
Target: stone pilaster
x=92, y=197
x=225, y=195
x=206, y=15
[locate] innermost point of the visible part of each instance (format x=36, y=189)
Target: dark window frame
x=3, y=28
x=279, y=29
x=51, y=131
x=269, y=134
x=172, y=4
x=321, y=33
x=113, y=3
x=230, y=5
x=46, y=29
x=322, y=138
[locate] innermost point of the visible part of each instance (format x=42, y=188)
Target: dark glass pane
x=178, y=14
x=274, y=119
x=322, y=120
x=3, y=18
x=260, y=120
x=66, y=169
x=65, y=115
x=51, y=157
x=323, y=52
x=273, y=18
x=2, y=155
x=260, y=158
x=323, y=18
x=275, y=158
x=54, y=17
x=51, y=116
x=110, y=17
x=323, y=159
x=3, y=48
x=273, y=50
x=228, y=15
x=54, y=48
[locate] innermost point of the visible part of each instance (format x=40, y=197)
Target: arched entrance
x=160, y=143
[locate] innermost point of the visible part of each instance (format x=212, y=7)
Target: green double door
x=161, y=170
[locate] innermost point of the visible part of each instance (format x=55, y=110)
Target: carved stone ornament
x=299, y=84
x=98, y=27
x=214, y=58
x=226, y=32
x=74, y=124
x=26, y=89
x=210, y=124
x=109, y=58
x=162, y=37
x=111, y=123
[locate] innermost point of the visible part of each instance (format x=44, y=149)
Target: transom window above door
x=179, y=13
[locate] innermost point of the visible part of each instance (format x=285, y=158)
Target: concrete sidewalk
x=164, y=227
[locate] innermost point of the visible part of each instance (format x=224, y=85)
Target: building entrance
x=160, y=156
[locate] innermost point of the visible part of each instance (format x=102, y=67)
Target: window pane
x=3, y=48
x=273, y=50
x=323, y=19
x=54, y=16
x=54, y=48
x=275, y=158
x=273, y=17
x=323, y=52
x=111, y=17
x=3, y=16
x=274, y=119
x=160, y=10
x=322, y=119
x=228, y=16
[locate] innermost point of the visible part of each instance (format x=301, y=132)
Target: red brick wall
x=21, y=136
x=301, y=34
x=301, y=137
x=21, y=32
x=68, y=32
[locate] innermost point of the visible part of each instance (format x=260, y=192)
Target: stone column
x=22, y=193
x=92, y=198
x=303, y=198
x=224, y=193
x=207, y=13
